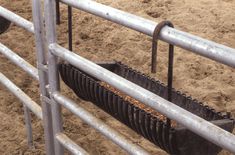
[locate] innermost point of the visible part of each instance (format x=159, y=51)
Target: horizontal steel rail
x=96, y=123
x=206, y=48
x=34, y=107
x=70, y=145
x=194, y=123
x=17, y=19
x=28, y=103
x=16, y=59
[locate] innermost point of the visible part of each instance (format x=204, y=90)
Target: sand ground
x=100, y=40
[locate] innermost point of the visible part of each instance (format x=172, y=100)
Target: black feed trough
x=174, y=139
x=4, y=24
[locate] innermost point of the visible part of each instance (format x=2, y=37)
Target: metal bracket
x=48, y=89
x=156, y=34
x=45, y=99
x=43, y=67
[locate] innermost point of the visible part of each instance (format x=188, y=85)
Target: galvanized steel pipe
x=16, y=19
x=206, y=48
x=16, y=59
x=70, y=145
x=34, y=107
x=53, y=75
x=96, y=123
x=41, y=51
x=194, y=123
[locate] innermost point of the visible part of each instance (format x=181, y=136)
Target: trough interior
x=157, y=87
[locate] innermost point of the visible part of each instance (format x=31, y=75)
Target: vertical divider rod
x=28, y=125
x=70, y=28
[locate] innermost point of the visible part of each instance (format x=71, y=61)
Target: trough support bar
x=206, y=48
x=70, y=145
x=96, y=123
x=156, y=33
x=70, y=28
x=194, y=123
x=57, y=8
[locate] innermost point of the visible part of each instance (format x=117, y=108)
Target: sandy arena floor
x=100, y=40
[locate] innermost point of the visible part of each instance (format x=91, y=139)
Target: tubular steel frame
x=47, y=75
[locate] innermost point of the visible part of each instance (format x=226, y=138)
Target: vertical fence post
x=43, y=77
x=50, y=19
x=28, y=125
